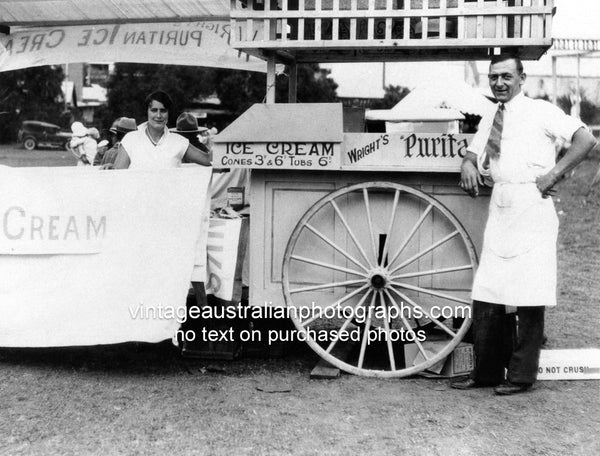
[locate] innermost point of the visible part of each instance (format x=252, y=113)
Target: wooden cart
x=366, y=237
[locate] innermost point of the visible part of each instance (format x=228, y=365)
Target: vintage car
x=34, y=134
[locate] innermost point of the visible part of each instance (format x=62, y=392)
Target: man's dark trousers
x=497, y=348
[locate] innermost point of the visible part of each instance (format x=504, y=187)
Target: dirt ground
x=145, y=399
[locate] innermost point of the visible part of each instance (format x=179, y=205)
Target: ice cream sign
x=407, y=152
x=273, y=155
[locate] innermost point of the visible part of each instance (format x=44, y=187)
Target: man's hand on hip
x=545, y=184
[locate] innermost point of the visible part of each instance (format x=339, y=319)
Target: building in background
x=84, y=90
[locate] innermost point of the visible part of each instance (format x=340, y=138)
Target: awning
x=417, y=114
x=87, y=12
x=288, y=122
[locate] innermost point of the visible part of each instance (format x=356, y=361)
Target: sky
x=576, y=19
x=573, y=19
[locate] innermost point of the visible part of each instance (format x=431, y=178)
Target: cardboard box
x=570, y=364
x=459, y=362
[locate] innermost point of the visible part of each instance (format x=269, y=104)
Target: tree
x=589, y=111
x=237, y=90
x=129, y=85
x=29, y=94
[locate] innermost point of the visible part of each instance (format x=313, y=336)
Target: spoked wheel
x=377, y=278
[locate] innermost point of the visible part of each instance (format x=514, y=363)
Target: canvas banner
x=96, y=257
x=202, y=43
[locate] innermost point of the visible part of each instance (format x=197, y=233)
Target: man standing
x=514, y=147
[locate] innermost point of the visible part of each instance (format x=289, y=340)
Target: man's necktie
x=492, y=148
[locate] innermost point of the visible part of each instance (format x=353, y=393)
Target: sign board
x=277, y=155
x=442, y=152
x=570, y=364
x=419, y=152
x=96, y=257
x=201, y=43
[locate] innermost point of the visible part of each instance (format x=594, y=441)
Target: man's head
x=506, y=77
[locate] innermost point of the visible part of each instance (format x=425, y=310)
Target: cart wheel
x=377, y=279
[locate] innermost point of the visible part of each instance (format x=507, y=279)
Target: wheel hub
x=379, y=278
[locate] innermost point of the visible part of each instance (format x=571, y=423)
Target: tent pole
x=271, y=79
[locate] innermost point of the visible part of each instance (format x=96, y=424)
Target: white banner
x=96, y=257
x=203, y=43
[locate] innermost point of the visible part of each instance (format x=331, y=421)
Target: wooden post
x=271, y=78
x=293, y=83
x=578, y=88
x=554, y=84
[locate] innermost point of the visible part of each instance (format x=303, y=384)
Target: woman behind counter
x=152, y=145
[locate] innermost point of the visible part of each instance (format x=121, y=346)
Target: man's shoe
x=509, y=389
x=469, y=383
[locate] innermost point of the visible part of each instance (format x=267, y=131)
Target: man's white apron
x=518, y=259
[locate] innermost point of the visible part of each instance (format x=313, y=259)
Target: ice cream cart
x=365, y=238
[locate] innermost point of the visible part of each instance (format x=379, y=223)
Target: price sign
x=277, y=155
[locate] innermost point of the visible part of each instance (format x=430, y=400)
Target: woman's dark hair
x=161, y=97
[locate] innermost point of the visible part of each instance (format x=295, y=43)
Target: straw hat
x=187, y=123
x=79, y=130
x=123, y=125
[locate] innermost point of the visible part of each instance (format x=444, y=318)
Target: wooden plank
x=424, y=27
x=461, y=21
x=325, y=370
x=468, y=9
x=536, y=25
x=526, y=22
x=442, y=26
x=548, y=28
x=425, y=19
x=301, y=29
x=284, y=30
